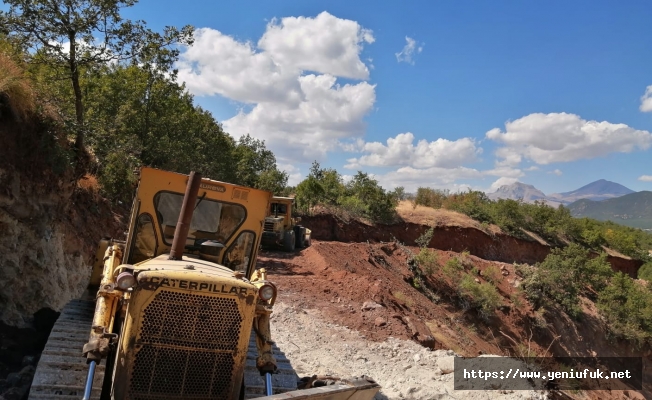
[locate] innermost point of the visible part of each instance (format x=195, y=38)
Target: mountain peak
x=601, y=189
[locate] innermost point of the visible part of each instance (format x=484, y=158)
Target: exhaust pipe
x=185, y=216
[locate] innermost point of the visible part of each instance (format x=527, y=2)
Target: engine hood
x=189, y=265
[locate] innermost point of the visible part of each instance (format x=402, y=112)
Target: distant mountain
x=518, y=190
x=634, y=209
x=597, y=191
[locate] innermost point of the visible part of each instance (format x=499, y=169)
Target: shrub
x=427, y=260
x=484, y=297
x=492, y=274
x=564, y=275
x=430, y=197
x=627, y=308
x=425, y=238
x=645, y=272
x=453, y=270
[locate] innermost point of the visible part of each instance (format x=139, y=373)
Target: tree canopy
x=73, y=34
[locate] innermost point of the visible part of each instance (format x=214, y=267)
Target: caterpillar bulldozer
x=282, y=229
x=178, y=310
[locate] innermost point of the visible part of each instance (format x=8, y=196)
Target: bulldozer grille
x=186, y=347
x=269, y=227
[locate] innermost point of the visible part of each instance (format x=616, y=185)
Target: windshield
x=214, y=220
x=281, y=208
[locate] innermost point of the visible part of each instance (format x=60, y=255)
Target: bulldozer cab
x=226, y=215
x=282, y=207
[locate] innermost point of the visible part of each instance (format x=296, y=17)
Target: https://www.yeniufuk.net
x=549, y=375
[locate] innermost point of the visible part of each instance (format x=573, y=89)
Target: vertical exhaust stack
x=185, y=216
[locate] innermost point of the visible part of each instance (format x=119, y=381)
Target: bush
x=564, y=275
x=475, y=204
x=645, y=272
x=425, y=238
x=492, y=274
x=453, y=270
x=627, y=308
x=484, y=297
x=427, y=260
x=430, y=197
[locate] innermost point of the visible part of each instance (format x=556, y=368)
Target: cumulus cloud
x=324, y=44
x=408, y=51
x=501, y=182
x=562, y=137
x=556, y=172
x=289, y=79
x=294, y=174
x=645, y=178
x=646, y=100
x=401, y=151
x=435, y=177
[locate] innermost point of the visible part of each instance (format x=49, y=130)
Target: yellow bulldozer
x=178, y=310
x=282, y=229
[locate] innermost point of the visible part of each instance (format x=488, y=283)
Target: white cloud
x=294, y=174
x=440, y=178
x=556, y=172
x=645, y=178
x=306, y=132
x=408, y=51
x=401, y=151
x=501, y=182
x=324, y=44
x=561, y=137
x=300, y=115
x=532, y=168
x=646, y=100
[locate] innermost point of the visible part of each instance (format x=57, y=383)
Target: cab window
x=144, y=242
x=211, y=219
x=281, y=208
x=238, y=256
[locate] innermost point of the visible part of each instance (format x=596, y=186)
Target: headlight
x=125, y=280
x=266, y=292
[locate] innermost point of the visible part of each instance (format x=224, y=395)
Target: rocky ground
x=404, y=369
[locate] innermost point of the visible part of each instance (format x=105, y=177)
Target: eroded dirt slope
x=367, y=287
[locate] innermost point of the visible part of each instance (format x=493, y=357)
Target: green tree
x=75, y=34
x=564, y=275
x=140, y=119
x=256, y=166
x=627, y=307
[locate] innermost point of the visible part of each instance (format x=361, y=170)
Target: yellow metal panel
x=256, y=203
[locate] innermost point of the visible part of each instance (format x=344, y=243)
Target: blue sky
x=334, y=81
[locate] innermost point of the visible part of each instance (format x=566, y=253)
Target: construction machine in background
x=282, y=229
x=179, y=310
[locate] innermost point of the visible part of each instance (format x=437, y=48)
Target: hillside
x=368, y=288
x=633, y=209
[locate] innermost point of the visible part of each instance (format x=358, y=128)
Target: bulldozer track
x=61, y=372
x=284, y=380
